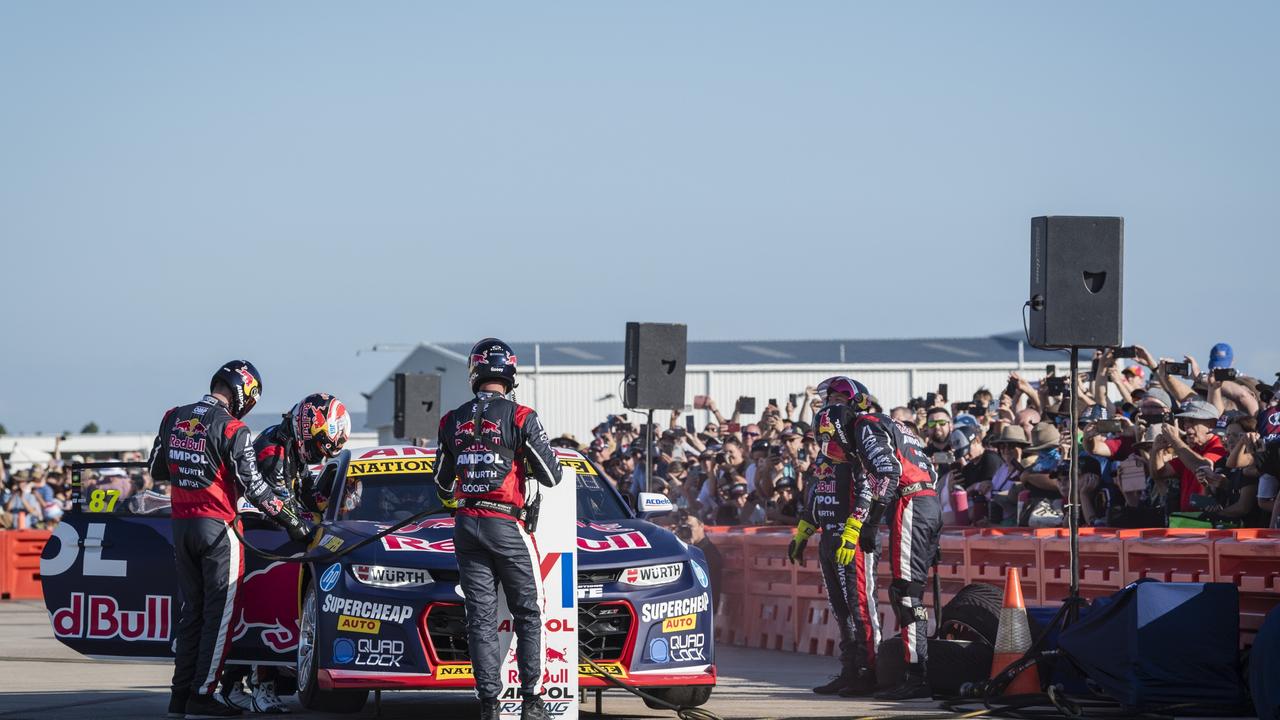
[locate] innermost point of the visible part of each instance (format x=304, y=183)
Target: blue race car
x=388, y=615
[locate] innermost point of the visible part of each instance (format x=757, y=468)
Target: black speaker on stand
x=1077, y=282
x=653, y=374
x=417, y=407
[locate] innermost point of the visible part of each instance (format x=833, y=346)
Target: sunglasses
x=745, y=432
x=937, y=423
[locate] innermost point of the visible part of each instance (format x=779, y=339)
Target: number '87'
x=100, y=498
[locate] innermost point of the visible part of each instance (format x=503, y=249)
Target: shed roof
x=996, y=348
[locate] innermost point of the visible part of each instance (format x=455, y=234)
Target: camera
x=1109, y=427
x=1221, y=374
x=1157, y=419
x=1126, y=353
x=720, y=458
x=943, y=458
x=775, y=451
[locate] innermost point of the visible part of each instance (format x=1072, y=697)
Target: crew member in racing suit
x=489, y=447
x=203, y=451
x=902, y=482
x=312, y=432
x=851, y=589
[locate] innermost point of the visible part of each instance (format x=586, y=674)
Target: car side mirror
x=653, y=504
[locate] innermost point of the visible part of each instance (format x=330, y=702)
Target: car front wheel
x=309, y=692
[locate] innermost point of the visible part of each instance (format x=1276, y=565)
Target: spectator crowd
x=1161, y=444
x=36, y=497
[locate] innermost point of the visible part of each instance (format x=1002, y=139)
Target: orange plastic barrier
x=768, y=603
x=1171, y=554
x=4, y=563
x=1250, y=560
x=771, y=601
x=21, y=564
x=1102, y=566
x=992, y=551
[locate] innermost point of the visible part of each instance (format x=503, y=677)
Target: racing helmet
x=321, y=426
x=859, y=396
x=492, y=359
x=245, y=382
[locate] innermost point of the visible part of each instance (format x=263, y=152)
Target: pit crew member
x=490, y=447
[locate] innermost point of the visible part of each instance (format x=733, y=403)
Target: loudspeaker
x=655, y=360
x=417, y=411
x=1077, y=276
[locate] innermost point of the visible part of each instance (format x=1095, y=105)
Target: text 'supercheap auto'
x=389, y=615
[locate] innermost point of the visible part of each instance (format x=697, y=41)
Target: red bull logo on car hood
x=269, y=604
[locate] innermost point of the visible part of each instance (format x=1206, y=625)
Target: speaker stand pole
x=648, y=452
x=1073, y=492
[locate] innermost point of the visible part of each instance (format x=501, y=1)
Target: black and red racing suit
x=851, y=589
x=901, y=480
x=205, y=455
x=284, y=469
x=488, y=447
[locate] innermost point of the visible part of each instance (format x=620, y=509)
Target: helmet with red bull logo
x=321, y=426
x=245, y=383
x=492, y=359
x=855, y=393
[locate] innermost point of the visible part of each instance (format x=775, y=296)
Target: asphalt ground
x=41, y=679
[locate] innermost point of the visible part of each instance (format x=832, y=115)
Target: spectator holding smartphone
x=1179, y=451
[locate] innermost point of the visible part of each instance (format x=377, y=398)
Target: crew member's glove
x=849, y=541
x=448, y=500
x=301, y=531
x=795, y=551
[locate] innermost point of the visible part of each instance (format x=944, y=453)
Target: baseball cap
x=965, y=419
x=760, y=446
x=1161, y=395
x=785, y=482
x=1094, y=413
x=961, y=438
x=1221, y=356
x=1198, y=410
x=738, y=489
x=1136, y=371
x=790, y=432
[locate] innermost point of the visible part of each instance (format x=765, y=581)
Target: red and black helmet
x=245, y=382
x=321, y=426
x=492, y=359
x=858, y=394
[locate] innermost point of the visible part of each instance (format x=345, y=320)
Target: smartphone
x=746, y=405
x=943, y=458
x=1050, y=370
x=733, y=427
x=688, y=424
x=1221, y=374
x=774, y=402
x=699, y=402
x=1012, y=388
x=1055, y=385
x=1127, y=353
x=1109, y=426
x=792, y=398
x=942, y=390
x=930, y=399
x=1182, y=369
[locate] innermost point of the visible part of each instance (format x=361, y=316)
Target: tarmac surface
x=40, y=679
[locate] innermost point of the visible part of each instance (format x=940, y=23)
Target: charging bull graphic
x=269, y=600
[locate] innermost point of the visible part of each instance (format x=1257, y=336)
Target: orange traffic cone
x=1013, y=639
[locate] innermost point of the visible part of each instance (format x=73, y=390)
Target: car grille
x=447, y=627
x=444, y=576
x=602, y=631
x=597, y=577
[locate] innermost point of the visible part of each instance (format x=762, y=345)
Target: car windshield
x=376, y=491
x=382, y=490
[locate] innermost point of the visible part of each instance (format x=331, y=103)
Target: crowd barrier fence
x=769, y=603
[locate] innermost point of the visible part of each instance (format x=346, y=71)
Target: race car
x=387, y=615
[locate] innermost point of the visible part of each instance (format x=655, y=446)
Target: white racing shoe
x=265, y=699
x=238, y=698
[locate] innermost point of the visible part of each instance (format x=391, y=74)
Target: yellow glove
x=849, y=541
x=795, y=551
x=448, y=500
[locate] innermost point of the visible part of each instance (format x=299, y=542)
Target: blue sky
x=184, y=183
